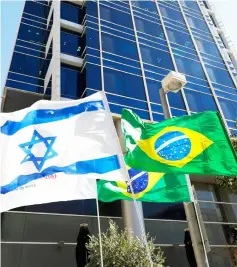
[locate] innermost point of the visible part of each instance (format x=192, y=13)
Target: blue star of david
x=36, y=139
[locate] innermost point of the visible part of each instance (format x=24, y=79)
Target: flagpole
x=188, y=207
x=130, y=217
x=140, y=217
x=133, y=221
x=99, y=228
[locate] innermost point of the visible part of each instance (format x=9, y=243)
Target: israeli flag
x=49, y=151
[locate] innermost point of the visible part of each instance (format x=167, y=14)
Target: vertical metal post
x=189, y=208
x=130, y=216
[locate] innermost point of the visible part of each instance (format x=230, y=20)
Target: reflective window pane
x=164, y=211
x=71, y=44
x=200, y=102
x=204, y=192
x=115, y=16
x=219, y=76
x=153, y=90
x=93, y=77
x=36, y=8
x=207, y=47
x=119, y=46
x=92, y=38
x=146, y=5
x=190, y=4
x=32, y=34
x=176, y=100
x=199, y=24
x=171, y=13
x=71, y=12
x=148, y=27
x=91, y=8
x=156, y=57
x=229, y=108
x=190, y=67
x=121, y=83
x=72, y=84
x=180, y=38
x=26, y=64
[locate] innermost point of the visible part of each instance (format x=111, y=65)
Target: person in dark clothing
x=82, y=253
x=189, y=249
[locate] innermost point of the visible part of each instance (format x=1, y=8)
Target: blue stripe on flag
x=49, y=115
x=98, y=166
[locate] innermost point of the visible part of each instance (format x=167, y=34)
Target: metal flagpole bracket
x=60, y=244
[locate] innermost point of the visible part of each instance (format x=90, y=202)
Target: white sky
x=226, y=10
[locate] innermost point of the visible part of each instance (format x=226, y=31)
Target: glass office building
x=72, y=49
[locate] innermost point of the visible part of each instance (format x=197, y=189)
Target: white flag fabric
x=54, y=151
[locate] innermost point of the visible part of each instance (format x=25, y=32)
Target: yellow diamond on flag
x=175, y=146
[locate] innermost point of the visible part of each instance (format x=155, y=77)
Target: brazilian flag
x=147, y=186
x=196, y=144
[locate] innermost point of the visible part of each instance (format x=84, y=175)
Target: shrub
x=122, y=249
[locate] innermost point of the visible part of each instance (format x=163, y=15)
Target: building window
x=229, y=108
x=153, y=90
x=119, y=46
x=176, y=100
x=180, y=38
x=32, y=7
x=118, y=99
x=121, y=83
x=115, y=16
x=172, y=14
x=219, y=76
x=24, y=64
x=32, y=34
x=164, y=211
x=148, y=27
x=71, y=13
x=72, y=82
x=71, y=44
x=207, y=47
x=93, y=76
x=190, y=67
x=198, y=24
x=199, y=102
x=92, y=38
x=145, y=5
x=156, y=57
x=190, y=4
x=91, y=8
x=83, y=207
x=24, y=86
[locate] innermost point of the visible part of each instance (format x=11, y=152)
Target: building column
x=130, y=210
x=56, y=60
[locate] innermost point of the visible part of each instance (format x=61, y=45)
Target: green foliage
x=122, y=249
x=229, y=182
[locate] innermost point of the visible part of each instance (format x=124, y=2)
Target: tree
x=229, y=182
x=122, y=249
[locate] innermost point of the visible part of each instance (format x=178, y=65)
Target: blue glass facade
x=127, y=48
x=28, y=65
x=159, y=29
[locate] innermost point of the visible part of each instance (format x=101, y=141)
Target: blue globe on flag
x=173, y=146
x=139, y=181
